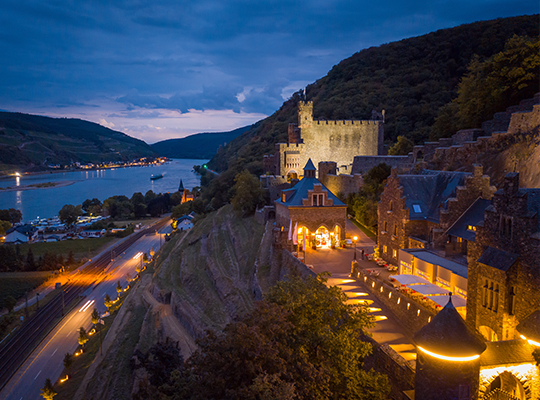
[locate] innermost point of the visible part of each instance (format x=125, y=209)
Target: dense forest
x=200, y=145
x=411, y=79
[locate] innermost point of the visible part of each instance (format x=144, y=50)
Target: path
x=388, y=329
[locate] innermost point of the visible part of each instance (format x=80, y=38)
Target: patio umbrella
x=429, y=289
x=409, y=279
x=457, y=301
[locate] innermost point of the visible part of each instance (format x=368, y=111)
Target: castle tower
x=305, y=114
x=448, y=362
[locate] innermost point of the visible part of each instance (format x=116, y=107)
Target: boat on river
x=157, y=176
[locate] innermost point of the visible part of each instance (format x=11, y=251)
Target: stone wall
x=362, y=164
x=292, y=266
x=413, y=316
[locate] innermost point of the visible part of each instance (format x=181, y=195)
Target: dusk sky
x=163, y=69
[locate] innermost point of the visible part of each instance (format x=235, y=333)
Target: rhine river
x=101, y=184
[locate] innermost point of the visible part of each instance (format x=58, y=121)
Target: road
x=47, y=360
x=338, y=262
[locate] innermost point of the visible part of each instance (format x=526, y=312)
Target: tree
x=83, y=336
x=30, y=260
x=70, y=260
x=15, y=216
x=68, y=361
x=10, y=303
x=108, y=302
x=95, y=316
x=119, y=288
x=48, y=392
x=68, y=215
x=4, y=226
x=302, y=341
x=402, y=147
x=248, y=193
x=93, y=206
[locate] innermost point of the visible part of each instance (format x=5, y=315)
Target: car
x=348, y=242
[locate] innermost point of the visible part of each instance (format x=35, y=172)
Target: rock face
x=209, y=282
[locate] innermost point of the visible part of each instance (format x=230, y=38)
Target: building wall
x=338, y=141
x=362, y=164
x=520, y=284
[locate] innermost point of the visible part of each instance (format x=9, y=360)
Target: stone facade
x=398, y=230
x=338, y=141
x=505, y=287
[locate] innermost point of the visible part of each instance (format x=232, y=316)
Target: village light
x=355, y=238
x=447, y=358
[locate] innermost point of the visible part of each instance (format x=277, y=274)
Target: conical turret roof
x=309, y=166
x=447, y=335
x=181, y=187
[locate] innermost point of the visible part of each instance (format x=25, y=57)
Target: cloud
x=131, y=57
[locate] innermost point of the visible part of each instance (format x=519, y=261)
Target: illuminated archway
x=323, y=237
x=506, y=382
x=488, y=333
x=292, y=174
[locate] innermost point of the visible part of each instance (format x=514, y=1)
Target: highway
x=46, y=361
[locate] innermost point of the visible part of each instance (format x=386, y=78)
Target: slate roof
x=448, y=335
x=181, y=187
x=530, y=327
x=533, y=202
x=299, y=191
x=429, y=190
x=473, y=216
x=434, y=259
x=309, y=166
x=499, y=259
x=507, y=352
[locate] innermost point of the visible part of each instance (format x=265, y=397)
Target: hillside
x=32, y=142
x=410, y=79
x=200, y=145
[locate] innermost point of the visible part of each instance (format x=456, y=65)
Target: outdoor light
x=447, y=358
x=531, y=342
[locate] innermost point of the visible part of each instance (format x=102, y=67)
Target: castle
x=338, y=141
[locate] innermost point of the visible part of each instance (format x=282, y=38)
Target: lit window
x=385, y=249
x=394, y=253
x=416, y=208
x=471, y=228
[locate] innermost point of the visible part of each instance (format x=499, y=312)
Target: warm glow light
x=380, y=317
x=361, y=294
x=373, y=309
x=64, y=379
x=440, y=356
x=138, y=255
x=531, y=342
x=347, y=280
x=355, y=238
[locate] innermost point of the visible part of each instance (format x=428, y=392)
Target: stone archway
x=292, y=174
x=488, y=333
x=506, y=383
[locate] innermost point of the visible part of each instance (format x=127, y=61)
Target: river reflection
x=89, y=184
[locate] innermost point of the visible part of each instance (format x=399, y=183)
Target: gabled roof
x=300, y=191
x=426, y=192
x=499, y=259
x=473, y=216
x=448, y=335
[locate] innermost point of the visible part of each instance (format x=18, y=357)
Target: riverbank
x=46, y=185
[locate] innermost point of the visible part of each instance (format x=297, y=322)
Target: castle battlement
x=323, y=140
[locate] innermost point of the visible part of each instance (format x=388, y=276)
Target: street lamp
x=355, y=239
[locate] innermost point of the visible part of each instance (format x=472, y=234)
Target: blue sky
x=168, y=68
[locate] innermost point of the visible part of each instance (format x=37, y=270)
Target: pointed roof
x=448, y=335
x=309, y=166
x=181, y=187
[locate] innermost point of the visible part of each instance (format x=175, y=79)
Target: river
x=77, y=186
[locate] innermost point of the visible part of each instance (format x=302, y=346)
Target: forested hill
x=410, y=79
x=32, y=142
x=199, y=145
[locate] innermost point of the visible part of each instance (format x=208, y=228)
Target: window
x=394, y=253
x=386, y=226
x=391, y=206
x=505, y=227
x=395, y=230
x=490, y=295
x=385, y=249
x=512, y=301
x=416, y=208
x=318, y=200
x=471, y=228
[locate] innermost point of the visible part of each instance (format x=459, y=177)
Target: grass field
x=372, y=235
x=16, y=284
x=82, y=248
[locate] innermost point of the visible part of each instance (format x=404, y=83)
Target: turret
x=448, y=362
x=309, y=169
